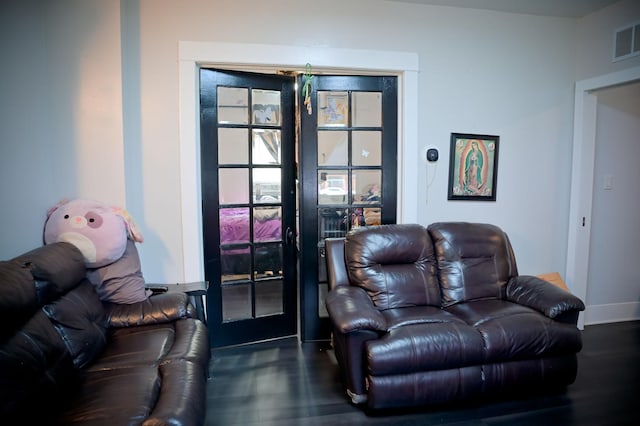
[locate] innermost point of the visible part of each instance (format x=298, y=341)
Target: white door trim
x=193, y=55
x=584, y=144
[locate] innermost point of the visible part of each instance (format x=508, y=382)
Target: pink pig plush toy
x=106, y=236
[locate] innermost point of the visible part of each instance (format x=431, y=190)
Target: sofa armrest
x=545, y=297
x=182, y=398
x=350, y=309
x=159, y=308
x=336, y=267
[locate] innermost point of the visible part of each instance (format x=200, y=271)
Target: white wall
x=595, y=39
x=61, y=112
x=476, y=75
x=94, y=63
x=511, y=76
x=613, y=290
x=25, y=122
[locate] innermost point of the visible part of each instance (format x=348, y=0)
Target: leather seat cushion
x=511, y=331
x=399, y=317
x=129, y=346
x=425, y=347
x=116, y=397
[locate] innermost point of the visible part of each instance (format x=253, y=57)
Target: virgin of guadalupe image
x=473, y=163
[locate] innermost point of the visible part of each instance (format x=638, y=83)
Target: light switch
x=608, y=182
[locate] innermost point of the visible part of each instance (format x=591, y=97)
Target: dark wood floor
x=286, y=383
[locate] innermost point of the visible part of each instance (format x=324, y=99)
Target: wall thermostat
x=432, y=154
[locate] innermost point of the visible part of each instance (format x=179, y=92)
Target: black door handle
x=288, y=237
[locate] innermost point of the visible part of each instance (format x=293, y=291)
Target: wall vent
x=626, y=42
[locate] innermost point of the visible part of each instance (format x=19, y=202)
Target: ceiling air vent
x=626, y=42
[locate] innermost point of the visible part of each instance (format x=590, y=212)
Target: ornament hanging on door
x=306, y=88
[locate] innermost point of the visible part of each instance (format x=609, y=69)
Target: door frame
x=582, y=171
x=255, y=57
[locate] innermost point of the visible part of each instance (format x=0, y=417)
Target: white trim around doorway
x=193, y=55
x=584, y=145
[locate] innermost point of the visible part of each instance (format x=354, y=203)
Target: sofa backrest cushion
x=18, y=300
x=475, y=261
x=394, y=264
x=35, y=278
x=53, y=325
x=55, y=268
x=81, y=321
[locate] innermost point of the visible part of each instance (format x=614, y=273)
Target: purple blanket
x=234, y=225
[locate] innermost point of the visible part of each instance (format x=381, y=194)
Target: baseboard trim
x=612, y=312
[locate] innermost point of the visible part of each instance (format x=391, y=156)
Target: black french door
x=348, y=175
x=247, y=128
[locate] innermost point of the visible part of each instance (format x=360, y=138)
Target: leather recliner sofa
x=66, y=358
x=427, y=316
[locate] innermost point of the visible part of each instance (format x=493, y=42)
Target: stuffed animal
x=106, y=236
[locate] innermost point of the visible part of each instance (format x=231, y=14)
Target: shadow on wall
x=154, y=247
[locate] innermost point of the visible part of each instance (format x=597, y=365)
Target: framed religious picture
x=473, y=167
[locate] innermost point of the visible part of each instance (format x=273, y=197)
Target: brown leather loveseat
x=426, y=316
x=66, y=358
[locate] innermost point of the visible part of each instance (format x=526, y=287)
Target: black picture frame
x=473, y=167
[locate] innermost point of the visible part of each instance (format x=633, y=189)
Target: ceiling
x=560, y=8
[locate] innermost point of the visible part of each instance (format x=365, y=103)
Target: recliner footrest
x=425, y=347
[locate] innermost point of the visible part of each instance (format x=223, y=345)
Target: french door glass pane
x=235, y=263
x=333, y=222
x=234, y=185
x=236, y=222
x=236, y=302
x=266, y=146
x=367, y=109
x=267, y=186
x=266, y=107
x=333, y=109
x=367, y=186
x=269, y=298
x=323, y=290
x=366, y=148
x=233, y=146
x=267, y=223
x=372, y=216
x=333, y=148
x=268, y=261
x=233, y=105
x=333, y=186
